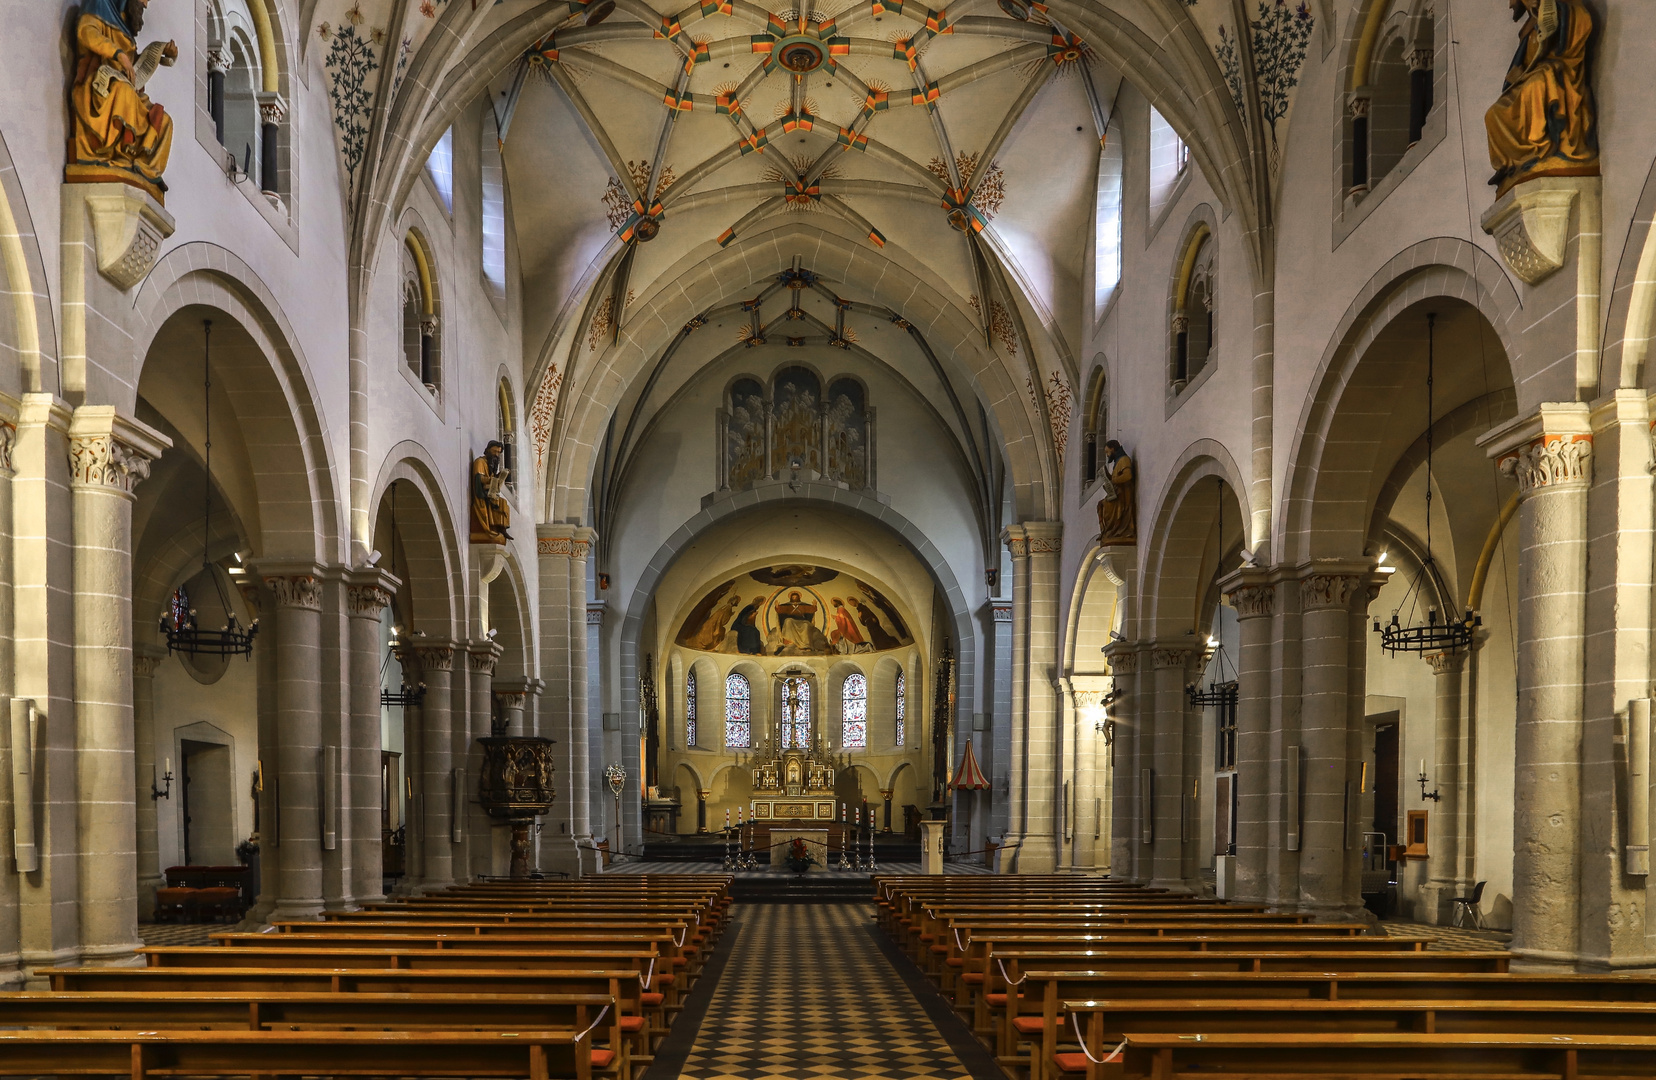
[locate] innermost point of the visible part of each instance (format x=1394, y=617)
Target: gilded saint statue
x=1118, y=509
x=1544, y=122
x=119, y=133
x=489, y=513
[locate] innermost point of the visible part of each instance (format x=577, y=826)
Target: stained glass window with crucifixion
x=796, y=713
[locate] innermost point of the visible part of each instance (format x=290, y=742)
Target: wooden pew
x=532, y=1055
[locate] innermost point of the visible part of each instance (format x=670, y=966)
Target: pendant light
x=1220, y=690
x=178, y=622
x=1432, y=636
x=406, y=694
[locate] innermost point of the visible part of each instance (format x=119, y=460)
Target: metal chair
x=1468, y=905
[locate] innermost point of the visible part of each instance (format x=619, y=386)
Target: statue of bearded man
x=1544, y=123
x=119, y=134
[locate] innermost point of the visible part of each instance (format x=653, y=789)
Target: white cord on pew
x=1075, y=1022
x=594, y=1024
x=644, y=979
x=1007, y=977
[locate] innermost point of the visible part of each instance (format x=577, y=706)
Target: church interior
x=569, y=538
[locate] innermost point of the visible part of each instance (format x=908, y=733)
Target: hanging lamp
x=407, y=695
x=1431, y=636
x=1220, y=690
x=178, y=622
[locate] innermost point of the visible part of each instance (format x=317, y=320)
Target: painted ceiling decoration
x=1278, y=36
x=794, y=610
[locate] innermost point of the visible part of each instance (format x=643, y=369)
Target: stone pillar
x=145, y=659
x=1327, y=884
x=368, y=593
x=1088, y=779
x=272, y=110
x=482, y=658
x=1170, y=790
x=1123, y=731
x=1017, y=542
x=1357, y=107
x=995, y=764
x=1255, y=601
x=1043, y=783
x=702, y=795
x=1420, y=91
x=218, y=65
x=436, y=764
x=298, y=792
x=256, y=595
x=10, y=940
x=579, y=780
x=552, y=548
x=509, y=698
x=1551, y=458
x=1443, y=879
x=108, y=456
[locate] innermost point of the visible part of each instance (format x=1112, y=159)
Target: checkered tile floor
x=807, y=994
x=178, y=933
x=1451, y=938
x=640, y=866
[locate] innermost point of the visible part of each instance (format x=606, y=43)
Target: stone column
x=145, y=659
x=1123, y=732
x=509, y=698
x=1326, y=601
x=482, y=658
x=1170, y=786
x=436, y=764
x=298, y=793
x=1357, y=106
x=11, y=974
x=579, y=780
x=1443, y=851
x=552, y=547
x=256, y=595
x=1088, y=781
x=1553, y=465
x=1017, y=542
x=272, y=110
x=1043, y=782
x=108, y=456
x=368, y=593
x=999, y=744
x=1255, y=601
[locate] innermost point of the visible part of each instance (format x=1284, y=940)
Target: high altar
x=793, y=787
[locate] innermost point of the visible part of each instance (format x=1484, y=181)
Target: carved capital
x=1550, y=462
x=1422, y=59
x=1170, y=658
x=8, y=440
x=435, y=657
x=510, y=699
x=1088, y=699
x=143, y=667
x=272, y=108
x=1357, y=106
x=218, y=60
x=1045, y=545
x=1123, y=660
x=1445, y=663
x=554, y=545
x=429, y=325
x=1001, y=612
x=1018, y=546
x=1253, y=601
x=483, y=661
x=366, y=601
x=579, y=549
x=301, y=591
x=1181, y=322
x=1327, y=591
x=595, y=615
x=107, y=451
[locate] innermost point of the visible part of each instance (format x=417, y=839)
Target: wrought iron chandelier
x=1432, y=636
x=178, y=622
x=1220, y=691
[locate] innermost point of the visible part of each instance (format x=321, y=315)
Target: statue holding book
x=119, y=133
x=490, y=514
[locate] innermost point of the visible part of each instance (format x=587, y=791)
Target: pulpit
x=516, y=787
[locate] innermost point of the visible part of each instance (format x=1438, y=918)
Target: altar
x=793, y=787
x=775, y=811
x=783, y=836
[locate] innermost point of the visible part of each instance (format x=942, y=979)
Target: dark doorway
x=205, y=808
x=1386, y=733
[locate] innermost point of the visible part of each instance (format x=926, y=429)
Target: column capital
x=1422, y=59
x=434, y=655
x=1088, y=699
x=1250, y=591
x=1357, y=103
x=369, y=592
x=510, y=699
x=482, y=656
x=145, y=659
x=1328, y=590
x=218, y=60
x=1163, y=657
x=554, y=540
x=1001, y=612
x=580, y=543
x=108, y=450
x=1016, y=541
x=1123, y=657
x=273, y=107
x=429, y=324
x=1550, y=448
x=1181, y=321
x=8, y=440
x=595, y=613
x=1446, y=663
x=524, y=687
x=301, y=591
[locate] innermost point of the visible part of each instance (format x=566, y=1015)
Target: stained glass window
x=690, y=709
x=796, y=714
x=902, y=703
x=854, y=712
x=738, y=712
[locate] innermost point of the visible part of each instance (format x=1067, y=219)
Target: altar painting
x=794, y=610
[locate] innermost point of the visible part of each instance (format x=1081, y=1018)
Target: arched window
x=1193, y=299
x=1097, y=416
x=902, y=707
x=854, y=712
x=1168, y=158
x=506, y=428
x=1107, y=222
x=690, y=708
x=494, y=208
x=440, y=167
x=738, y=712
x=242, y=99
x=420, y=343
x=796, y=713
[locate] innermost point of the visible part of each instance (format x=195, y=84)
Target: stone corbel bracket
x=1531, y=225
x=127, y=228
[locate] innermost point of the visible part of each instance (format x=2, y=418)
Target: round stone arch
x=810, y=494
x=1095, y=609
x=431, y=565
x=27, y=323
x=1176, y=579
x=509, y=615
x=1632, y=321
x=273, y=391
x=1453, y=269
x=708, y=276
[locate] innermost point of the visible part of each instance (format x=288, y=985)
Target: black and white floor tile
x=807, y=994
x=640, y=866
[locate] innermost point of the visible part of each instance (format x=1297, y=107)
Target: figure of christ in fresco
x=796, y=630
x=845, y=636
x=871, y=622
x=750, y=639
x=712, y=631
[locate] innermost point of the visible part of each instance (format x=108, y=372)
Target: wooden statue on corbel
x=490, y=514
x=1544, y=122
x=118, y=134
x=1118, y=509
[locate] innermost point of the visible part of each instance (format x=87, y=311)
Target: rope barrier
x=644, y=979
x=1075, y=1022
x=594, y=1024
x=956, y=932
x=678, y=942
x=1007, y=977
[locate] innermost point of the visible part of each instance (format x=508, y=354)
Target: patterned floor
x=178, y=933
x=640, y=866
x=808, y=994
x=1449, y=937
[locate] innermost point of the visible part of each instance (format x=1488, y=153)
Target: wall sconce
x=1434, y=795
x=166, y=778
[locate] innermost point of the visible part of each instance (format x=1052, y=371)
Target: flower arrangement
x=799, y=856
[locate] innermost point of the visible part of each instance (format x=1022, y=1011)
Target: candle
x=168, y=770
x=1422, y=766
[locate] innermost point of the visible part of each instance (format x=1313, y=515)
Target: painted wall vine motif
x=351, y=59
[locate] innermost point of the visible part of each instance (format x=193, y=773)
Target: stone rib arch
x=28, y=327
x=429, y=541
x=1630, y=322
x=296, y=472
x=1446, y=267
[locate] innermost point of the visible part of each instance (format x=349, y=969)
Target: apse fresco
x=794, y=610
